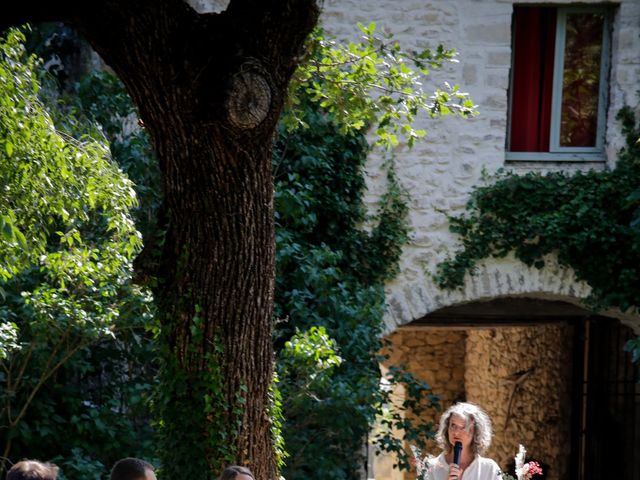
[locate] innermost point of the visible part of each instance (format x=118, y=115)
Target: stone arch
x=512, y=340
x=493, y=278
x=525, y=365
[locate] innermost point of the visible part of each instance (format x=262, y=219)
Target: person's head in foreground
x=32, y=470
x=132, y=469
x=465, y=423
x=236, y=472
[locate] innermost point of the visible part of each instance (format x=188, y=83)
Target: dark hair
x=232, y=471
x=32, y=470
x=130, y=469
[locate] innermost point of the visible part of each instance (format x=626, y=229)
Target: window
x=559, y=83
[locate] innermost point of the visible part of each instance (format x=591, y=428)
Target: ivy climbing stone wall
x=440, y=172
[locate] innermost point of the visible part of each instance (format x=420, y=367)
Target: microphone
x=457, y=450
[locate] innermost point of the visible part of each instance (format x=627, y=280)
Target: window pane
x=581, y=80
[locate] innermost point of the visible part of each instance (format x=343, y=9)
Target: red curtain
x=535, y=31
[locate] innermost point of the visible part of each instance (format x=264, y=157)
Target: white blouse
x=480, y=469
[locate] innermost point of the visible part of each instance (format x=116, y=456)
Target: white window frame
x=556, y=152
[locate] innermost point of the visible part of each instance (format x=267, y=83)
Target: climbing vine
x=588, y=220
x=203, y=396
x=330, y=302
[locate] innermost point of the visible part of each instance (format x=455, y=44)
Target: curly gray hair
x=473, y=416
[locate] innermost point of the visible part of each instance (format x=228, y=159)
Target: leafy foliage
x=375, y=84
x=72, y=348
x=330, y=282
x=589, y=220
x=56, y=185
x=330, y=299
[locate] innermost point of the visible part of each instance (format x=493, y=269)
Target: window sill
x=555, y=157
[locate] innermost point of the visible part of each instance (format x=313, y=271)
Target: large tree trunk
x=209, y=89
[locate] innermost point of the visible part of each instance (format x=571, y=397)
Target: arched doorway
x=552, y=375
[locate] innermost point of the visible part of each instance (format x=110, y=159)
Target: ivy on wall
x=588, y=220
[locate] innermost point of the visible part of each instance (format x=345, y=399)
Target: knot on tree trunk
x=249, y=96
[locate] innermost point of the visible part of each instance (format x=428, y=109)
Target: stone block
x=499, y=58
x=500, y=79
x=489, y=34
x=469, y=74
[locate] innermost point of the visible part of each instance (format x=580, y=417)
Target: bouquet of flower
x=524, y=471
x=423, y=464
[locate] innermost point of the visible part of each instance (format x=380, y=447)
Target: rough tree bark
x=209, y=89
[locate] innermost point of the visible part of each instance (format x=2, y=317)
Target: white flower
x=520, y=465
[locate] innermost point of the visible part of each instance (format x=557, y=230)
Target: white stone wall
x=440, y=173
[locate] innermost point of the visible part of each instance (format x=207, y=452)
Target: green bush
x=75, y=382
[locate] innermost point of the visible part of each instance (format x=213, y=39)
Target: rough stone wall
x=441, y=172
x=539, y=416
x=435, y=356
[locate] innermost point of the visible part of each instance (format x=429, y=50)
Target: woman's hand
x=455, y=472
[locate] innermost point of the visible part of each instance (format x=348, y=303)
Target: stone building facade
x=514, y=339
x=440, y=172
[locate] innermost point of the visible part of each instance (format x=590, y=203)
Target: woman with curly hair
x=469, y=425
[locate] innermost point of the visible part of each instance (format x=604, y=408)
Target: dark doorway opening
x=606, y=432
